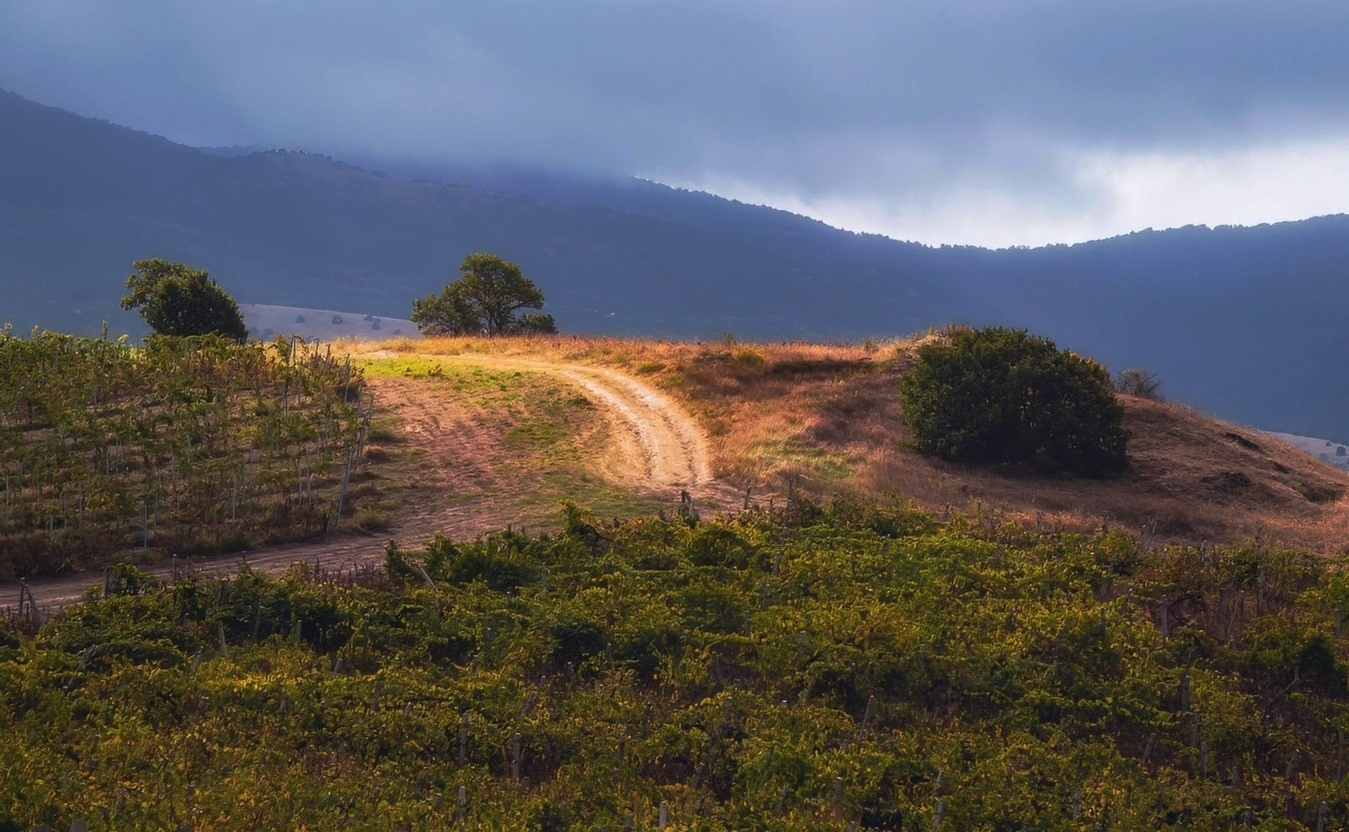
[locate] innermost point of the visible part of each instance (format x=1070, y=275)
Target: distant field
x=267, y=322
x=1331, y=453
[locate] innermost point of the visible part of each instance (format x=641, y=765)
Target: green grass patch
x=575, y=484
x=814, y=462
x=468, y=378
x=550, y=416
x=536, y=434
x=384, y=429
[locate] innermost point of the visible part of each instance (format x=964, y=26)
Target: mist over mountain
x=1242, y=322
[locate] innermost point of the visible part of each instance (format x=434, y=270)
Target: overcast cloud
x=987, y=122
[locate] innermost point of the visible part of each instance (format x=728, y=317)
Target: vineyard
x=815, y=668
x=185, y=445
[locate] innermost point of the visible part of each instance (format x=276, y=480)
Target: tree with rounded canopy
x=176, y=299
x=1001, y=396
x=485, y=300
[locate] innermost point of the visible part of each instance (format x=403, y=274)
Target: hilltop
x=825, y=419
x=468, y=436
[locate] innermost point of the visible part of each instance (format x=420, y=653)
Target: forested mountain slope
x=1240, y=321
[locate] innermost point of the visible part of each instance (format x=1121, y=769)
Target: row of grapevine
x=184, y=444
x=849, y=666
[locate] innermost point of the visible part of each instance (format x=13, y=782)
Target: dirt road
x=658, y=446
x=655, y=449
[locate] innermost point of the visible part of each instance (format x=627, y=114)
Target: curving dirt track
x=654, y=448
x=658, y=446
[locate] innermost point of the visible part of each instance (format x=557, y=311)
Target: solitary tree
x=1002, y=396
x=176, y=299
x=486, y=299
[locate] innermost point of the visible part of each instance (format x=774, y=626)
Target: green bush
x=1002, y=396
x=1137, y=381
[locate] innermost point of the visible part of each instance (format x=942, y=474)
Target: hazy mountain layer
x=1244, y=322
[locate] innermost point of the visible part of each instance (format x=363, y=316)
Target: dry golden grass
x=826, y=417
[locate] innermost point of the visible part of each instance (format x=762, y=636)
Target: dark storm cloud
x=815, y=97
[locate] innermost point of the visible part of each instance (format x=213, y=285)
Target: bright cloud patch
x=1111, y=193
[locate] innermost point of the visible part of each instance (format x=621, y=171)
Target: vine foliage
x=184, y=445
x=850, y=665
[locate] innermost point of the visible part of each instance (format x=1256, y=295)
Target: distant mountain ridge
x=1243, y=322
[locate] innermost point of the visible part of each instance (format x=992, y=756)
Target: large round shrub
x=1000, y=395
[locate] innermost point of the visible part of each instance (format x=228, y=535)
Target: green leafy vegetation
x=1138, y=381
x=807, y=670
x=485, y=300
x=1001, y=396
x=176, y=299
x=186, y=445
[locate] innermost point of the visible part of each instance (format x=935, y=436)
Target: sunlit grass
x=813, y=462
x=826, y=417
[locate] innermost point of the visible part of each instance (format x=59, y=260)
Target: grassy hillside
x=113, y=452
x=825, y=418
x=990, y=650
x=804, y=670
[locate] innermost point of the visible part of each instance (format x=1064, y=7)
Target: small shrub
x=720, y=546
x=126, y=579
x=376, y=453
x=372, y=519
x=502, y=570
x=749, y=359
x=551, y=817
x=381, y=433
x=1002, y=396
x=1136, y=381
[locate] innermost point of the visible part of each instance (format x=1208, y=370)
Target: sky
x=997, y=123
